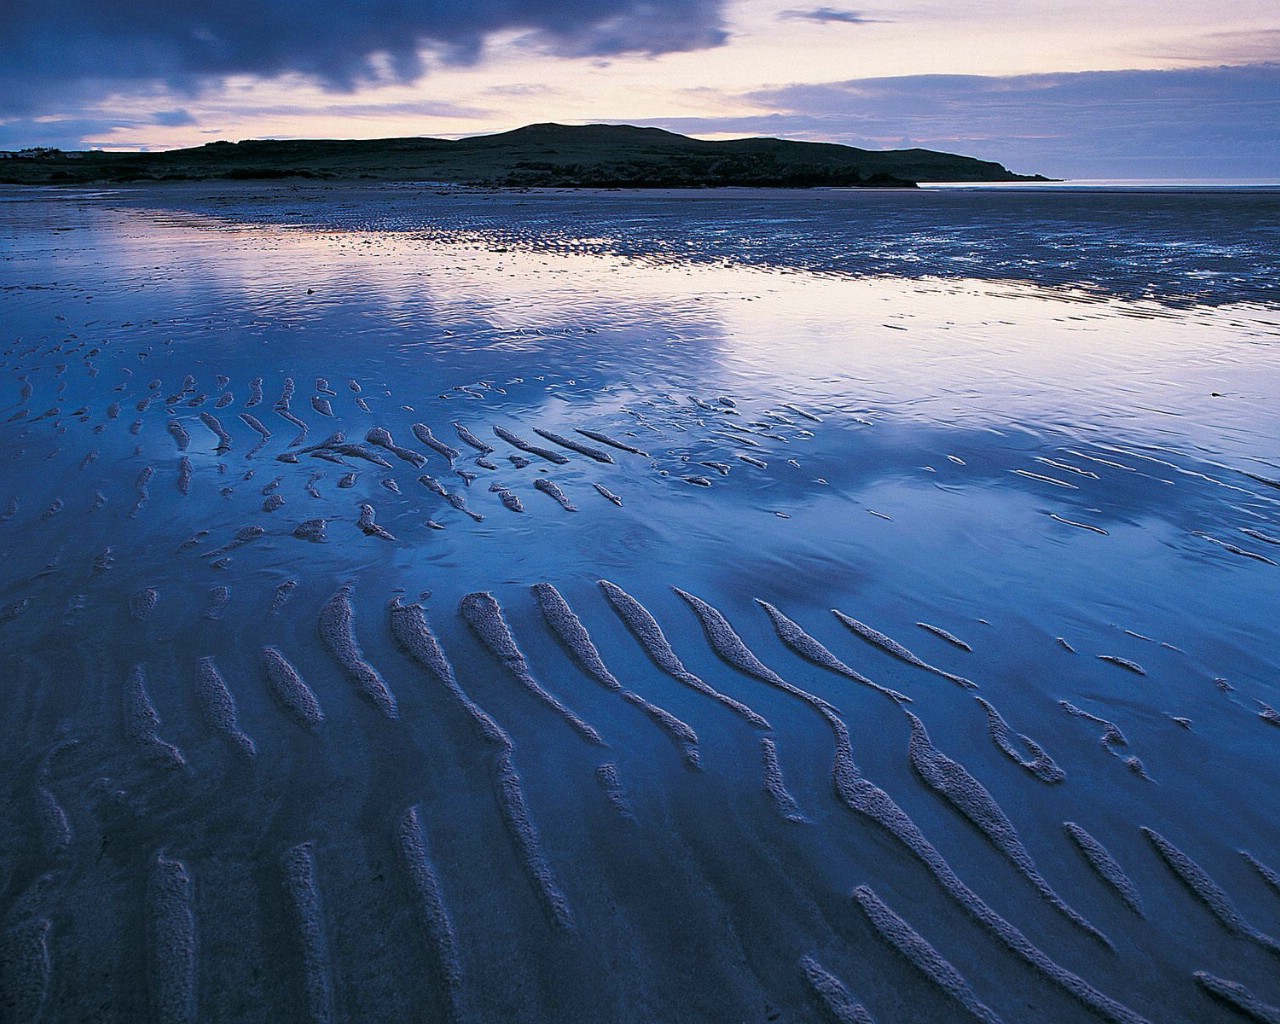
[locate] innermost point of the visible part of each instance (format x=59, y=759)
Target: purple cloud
x=823, y=15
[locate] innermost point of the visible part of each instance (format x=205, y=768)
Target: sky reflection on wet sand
x=1052, y=474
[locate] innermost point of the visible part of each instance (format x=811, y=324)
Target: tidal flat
x=726, y=606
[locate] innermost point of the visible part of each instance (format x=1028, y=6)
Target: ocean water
x=295, y=729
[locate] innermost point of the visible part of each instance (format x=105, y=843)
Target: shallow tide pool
x=617, y=607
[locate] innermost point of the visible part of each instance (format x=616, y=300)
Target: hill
x=540, y=155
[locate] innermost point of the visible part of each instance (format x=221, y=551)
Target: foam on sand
x=291, y=692
x=382, y=438
x=573, y=636
x=483, y=614
x=1238, y=998
x=941, y=633
x=776, y=786
x=611, y=783
x=428, y=902
x=413, y=633
x=917, y=951
x=811, y=650
x=891, y=646
x=1269, y=875
x=411, y=630
x=1104, y=865
x=953, y=782
x=423, y=433
x=1039, y=764
x=833, y=999
x=550, y=487
x=576, y=446
x=1212, y=895
x=612, y=442
x=171, y=933
x=644, y=627
x=337, y=633
x=516, y=441
x=141, y=722
x=219, y=708
x=864, y=797
x=302, y=891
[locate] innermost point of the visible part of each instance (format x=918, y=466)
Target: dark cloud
x=60, y=52
x=1206, y=122
x=827, y=14
x=665, y=26
x=173, y=118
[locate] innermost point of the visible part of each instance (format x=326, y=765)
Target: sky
x=1175, y=89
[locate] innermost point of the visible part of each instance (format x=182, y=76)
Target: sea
x=422, y=603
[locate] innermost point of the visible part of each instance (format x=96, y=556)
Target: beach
x=732, y=605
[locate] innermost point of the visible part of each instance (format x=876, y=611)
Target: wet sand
x=535, y=607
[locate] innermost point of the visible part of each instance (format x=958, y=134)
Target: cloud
x=667, y=26
x=1203, y=122
x=823, y=15
x=1256, y=47
x=64, y=52
x=520, y=89
x=435, y=109
x=98, y=131
x=173, y=118
x=59, y=133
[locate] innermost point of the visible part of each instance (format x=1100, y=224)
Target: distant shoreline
x=537, y=156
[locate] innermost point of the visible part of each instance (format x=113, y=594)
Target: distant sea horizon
x=1116, y=183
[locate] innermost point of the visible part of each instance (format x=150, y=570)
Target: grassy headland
x=540, y=155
